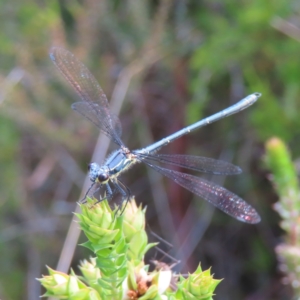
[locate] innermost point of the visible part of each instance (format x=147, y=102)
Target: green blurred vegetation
x=285, y=180
x=183, y=60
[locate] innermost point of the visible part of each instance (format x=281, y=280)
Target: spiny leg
x=109, y=194
x=97, y=201
x=125, y=192
x=83, y=201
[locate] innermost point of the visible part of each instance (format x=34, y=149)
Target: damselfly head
x=94, y=171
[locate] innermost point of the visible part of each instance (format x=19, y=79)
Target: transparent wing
x=105, y=123
x=84, y=83
x=223, y=199
x=197, y=163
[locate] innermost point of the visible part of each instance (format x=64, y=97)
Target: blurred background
x=164, y=65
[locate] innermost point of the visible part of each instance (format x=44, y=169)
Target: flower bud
x=199, y=285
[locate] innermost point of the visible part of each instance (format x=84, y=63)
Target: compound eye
x=102, y=177
x=89, y=167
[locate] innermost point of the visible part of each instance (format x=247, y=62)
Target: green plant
x=118, y=271
x=284, y=178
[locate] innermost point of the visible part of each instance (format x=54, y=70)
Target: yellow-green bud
x=89, y=270
x=134, y=220
x=199, y=285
